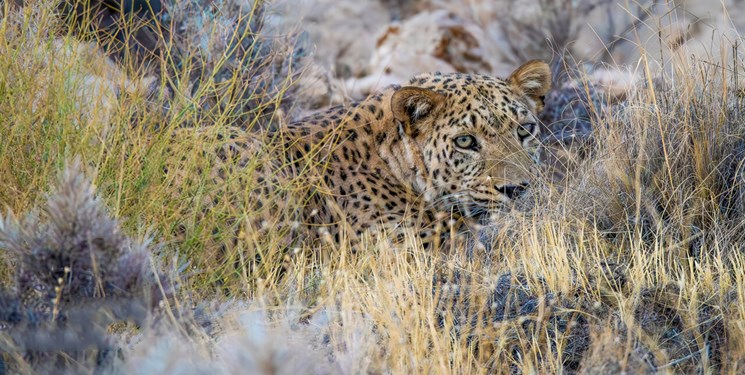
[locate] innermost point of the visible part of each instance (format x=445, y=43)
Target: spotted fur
x=442, y=147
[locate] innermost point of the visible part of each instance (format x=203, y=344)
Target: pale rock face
x=370, y=50
x=343, y=32
x=688, y=30
x=596, y=24
x=427, y=42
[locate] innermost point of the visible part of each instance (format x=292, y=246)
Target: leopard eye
x=525, y=130
x=465, y=141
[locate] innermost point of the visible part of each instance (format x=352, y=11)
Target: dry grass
x=633, y=263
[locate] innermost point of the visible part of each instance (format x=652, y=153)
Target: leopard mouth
x=513, y=191
x=473, y=207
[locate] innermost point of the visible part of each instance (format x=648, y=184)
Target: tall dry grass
x=633, y=262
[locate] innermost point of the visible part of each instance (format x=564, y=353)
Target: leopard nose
x=513, y=191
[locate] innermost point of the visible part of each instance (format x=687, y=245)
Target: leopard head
x=477, y=137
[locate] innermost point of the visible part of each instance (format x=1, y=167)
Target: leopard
x=428, y=156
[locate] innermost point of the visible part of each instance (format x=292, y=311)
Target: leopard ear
x=532, y=79
x=412, y=104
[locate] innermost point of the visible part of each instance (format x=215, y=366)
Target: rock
x=428, y=42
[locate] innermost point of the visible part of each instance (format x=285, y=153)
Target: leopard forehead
x=462, y=85
x=467, y=78
x=471, y=95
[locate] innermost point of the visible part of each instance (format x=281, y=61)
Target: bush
x=76, y=274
